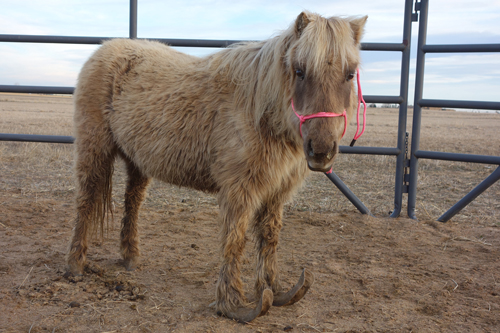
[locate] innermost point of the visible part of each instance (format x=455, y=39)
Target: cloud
x=474, y=76
x=28, y=64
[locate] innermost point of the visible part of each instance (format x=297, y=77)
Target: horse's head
x=322, y=61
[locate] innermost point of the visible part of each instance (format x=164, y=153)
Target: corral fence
x=406, y=157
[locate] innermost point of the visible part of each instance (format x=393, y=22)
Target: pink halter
x=302, y=119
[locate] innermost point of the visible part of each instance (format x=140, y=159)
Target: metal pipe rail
x=483, y=186
x=176, y=42
x=442, y=103
x=461, y=48
x=36, y=138
x=471, y=158
x=36, y=89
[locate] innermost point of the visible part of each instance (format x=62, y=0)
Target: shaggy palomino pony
x=222, y=124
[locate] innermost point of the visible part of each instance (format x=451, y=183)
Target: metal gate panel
x=406, y=170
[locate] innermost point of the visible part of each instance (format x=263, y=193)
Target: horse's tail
x=95, y=146
x=94, y=173
x=103, y=211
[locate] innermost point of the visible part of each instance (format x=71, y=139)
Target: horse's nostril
x=310, y=150
x=330, y=155
x=332, y=152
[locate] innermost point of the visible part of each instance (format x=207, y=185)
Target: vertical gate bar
x=348, y=193
x=133, y=19
x=403, y=108
x=417, y=110
x=483, y=186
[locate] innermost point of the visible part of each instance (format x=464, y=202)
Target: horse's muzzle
x=320, y=158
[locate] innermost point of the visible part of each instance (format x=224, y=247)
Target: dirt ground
x=372, y=274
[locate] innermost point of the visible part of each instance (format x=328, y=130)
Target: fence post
x=133, y=19
x=423, y=6
x=399, y=185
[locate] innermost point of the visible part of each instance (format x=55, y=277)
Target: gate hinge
x=406, y=167
x=414, y=16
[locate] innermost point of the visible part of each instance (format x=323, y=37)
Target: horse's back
x=151, y=99
x=116, y=58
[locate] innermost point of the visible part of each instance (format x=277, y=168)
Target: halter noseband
x=302, y=119
x=320, y=115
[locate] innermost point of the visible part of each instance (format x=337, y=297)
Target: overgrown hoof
x=245, y=315
x=297, y=292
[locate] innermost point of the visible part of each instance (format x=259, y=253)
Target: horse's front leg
x=231, y=302
x=267, y=228
x=268, y=223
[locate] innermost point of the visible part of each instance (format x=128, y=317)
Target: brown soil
x=373, y=274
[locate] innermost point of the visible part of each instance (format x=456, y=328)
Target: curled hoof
x=245, y=315
x=297, y=292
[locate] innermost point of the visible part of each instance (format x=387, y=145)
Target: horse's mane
x=261, y=71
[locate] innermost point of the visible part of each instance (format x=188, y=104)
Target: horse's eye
x=350, y=76
x=300, y=74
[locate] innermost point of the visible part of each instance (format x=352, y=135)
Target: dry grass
x=40, y=167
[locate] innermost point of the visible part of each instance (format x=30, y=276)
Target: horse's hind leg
x=95, y=155
x=134, y=195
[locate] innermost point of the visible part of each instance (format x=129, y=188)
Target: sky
x=461, y=76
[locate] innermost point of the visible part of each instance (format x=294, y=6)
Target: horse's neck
x=252, y=74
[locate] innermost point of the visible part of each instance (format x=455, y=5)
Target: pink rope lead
x=360, y=100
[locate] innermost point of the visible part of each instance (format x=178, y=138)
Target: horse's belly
x=167, y=135
x=197, y=177
x=181, y=159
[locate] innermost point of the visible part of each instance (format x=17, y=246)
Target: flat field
x=373, y=274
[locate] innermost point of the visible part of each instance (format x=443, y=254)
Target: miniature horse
x=232, y=123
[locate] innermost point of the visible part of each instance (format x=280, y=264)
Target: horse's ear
x=357, y=26
x=301, y=23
